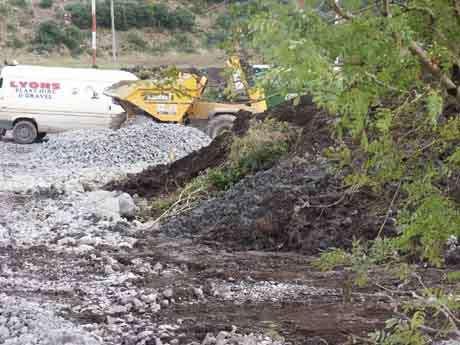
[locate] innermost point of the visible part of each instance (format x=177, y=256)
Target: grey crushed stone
x=94, y=156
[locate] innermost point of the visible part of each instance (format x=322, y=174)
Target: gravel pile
x=31, y=323
x=94, y=156
x=147, y=142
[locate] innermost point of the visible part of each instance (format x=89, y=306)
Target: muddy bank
x=296, y=206
x=166, y=178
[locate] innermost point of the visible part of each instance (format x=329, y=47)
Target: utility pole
x=114, y=37
x=93, y=12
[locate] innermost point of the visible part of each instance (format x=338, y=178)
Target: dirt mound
x=296, y=205
x=166, y=178
x=162, y=179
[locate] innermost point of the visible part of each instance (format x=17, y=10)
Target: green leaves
x=435, y=105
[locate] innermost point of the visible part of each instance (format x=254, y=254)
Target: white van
x=38, y=100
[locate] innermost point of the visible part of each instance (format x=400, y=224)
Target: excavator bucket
x=168, y=99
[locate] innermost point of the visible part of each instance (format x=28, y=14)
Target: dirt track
x=274, y=294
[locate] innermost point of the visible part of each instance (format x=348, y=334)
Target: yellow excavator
x=178, y=98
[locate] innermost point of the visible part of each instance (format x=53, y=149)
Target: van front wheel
x=24, y=132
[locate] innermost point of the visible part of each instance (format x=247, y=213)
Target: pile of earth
x=295, y=206
x=298, y=204
x=162, y=179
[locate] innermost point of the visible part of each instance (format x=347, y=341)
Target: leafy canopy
x=389, y=73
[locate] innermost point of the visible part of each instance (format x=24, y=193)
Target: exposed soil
x=163, y=179
x=296, y=206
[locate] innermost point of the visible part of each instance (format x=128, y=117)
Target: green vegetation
x=50, y=35
x=140, y=14
x=136, y=41
x=386, y=73
x=46, y=3
x=264, y=144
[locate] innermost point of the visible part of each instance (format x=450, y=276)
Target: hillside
x=148, y=32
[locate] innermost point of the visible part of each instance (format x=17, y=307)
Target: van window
x=1, y=83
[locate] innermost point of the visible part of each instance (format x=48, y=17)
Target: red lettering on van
x=56, y=86
x=45, y=85
x=34, y=85
x=23, y=84
x=13, y=84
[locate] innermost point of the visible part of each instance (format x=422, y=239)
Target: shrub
x=265, y=143
x=136, y=41
x=45, y=3
x=50, y=34
x=81, y=14
x=15, y=43
x=182, y=42
x=20, y=3
x=182, y=19
x=133, y=15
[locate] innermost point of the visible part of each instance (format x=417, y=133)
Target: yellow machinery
x=177, y=99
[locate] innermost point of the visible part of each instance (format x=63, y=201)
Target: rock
x=155, y=307
x=158, y=268
x=127, y=206
x=102, y=204
x=4, y=333
x=209, y=340
x=198, y=292
x=168, y=293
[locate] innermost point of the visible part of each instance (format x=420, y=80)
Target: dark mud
x=296, y=206
x=164, y=179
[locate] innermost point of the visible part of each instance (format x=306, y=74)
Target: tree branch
x=434, y=69
x=386, y=8
x=340, y=11
x=456, y=4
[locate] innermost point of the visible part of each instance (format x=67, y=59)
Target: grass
x=212, y=58
x=264, y=144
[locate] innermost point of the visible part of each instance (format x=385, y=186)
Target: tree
x=388, y=71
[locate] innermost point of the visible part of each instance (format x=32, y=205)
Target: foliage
x=362, y=258
x=182, y=42
x=264, y=144
x=136, y=41
x=453, y=277
x=139, y=14
x=387, y=74
x=15, y=42
x=19, y=3
x=427, y=317
x=50, y=34
x=331, y=259
x=45, y=3
x=183, y=200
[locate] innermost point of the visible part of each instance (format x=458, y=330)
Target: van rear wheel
x=24, y=132
x=220, y=124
